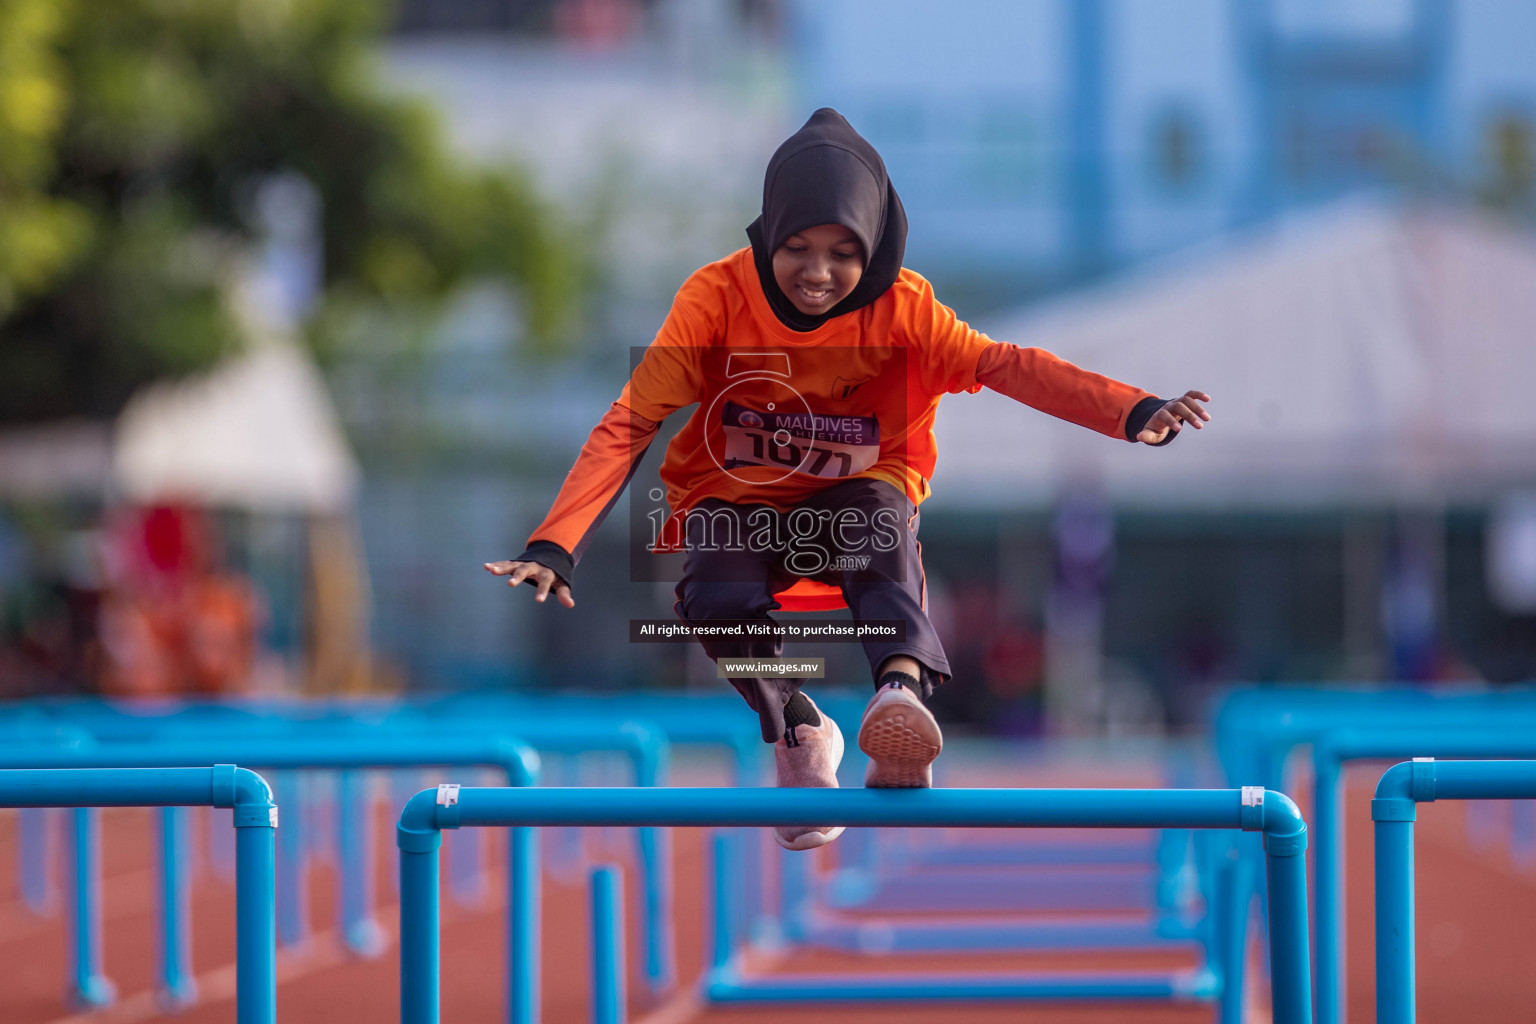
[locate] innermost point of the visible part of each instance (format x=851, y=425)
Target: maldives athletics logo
x=764, y=423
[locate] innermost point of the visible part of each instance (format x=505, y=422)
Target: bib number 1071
x=765, y=447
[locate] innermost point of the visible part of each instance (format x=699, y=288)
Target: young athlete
x=817, y=362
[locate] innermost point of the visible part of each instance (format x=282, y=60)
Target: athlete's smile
x=818, y=267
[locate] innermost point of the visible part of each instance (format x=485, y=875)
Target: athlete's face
x=818, y=267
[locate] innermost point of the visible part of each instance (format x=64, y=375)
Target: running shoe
x=901, y=738
x=811, y=760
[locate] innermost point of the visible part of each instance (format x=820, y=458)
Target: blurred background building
x=1319, y=212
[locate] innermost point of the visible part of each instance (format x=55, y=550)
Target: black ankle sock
x=904, y=679
x=800, y=711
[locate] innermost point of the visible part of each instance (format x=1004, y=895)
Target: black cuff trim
x=552, y=556
x=1143, y=411
x=906, y=680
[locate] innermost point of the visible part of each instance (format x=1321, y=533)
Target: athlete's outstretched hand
x=534, y=574
x=1178, y=410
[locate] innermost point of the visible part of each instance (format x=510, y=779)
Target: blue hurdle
x=419, y=837
x=863, y=855
x=1206, y=982
x=645, y=745
x=90, y=986
x=1064, y=928
x=1157, y=879
x=1503, y=736
x=32, y=860
x=709, y=722
x=1393, y=812
x=220, y=786
x=718, y=720
x=1152, y=883
x=1257, y=731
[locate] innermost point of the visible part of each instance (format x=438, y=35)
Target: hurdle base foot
x=366, y=939
x=176, y=996
x=92, y=994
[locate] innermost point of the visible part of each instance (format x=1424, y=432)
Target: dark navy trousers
x=860, y=536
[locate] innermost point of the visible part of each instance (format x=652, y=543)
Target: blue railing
x=255, y=818
x=89, y=984
x=1258, y=734
x=1506, y=735
x=1162, y=886
x=419, y=836
x=309, y=736
x=1393, y=812
x=1256, y=731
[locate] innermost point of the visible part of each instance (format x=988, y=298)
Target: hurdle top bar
x=1249, y=809
x=1472, y=741
x=519, y=761
x=1423, y=780
x=223, y=785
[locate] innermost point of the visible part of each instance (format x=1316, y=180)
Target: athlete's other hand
x=535, y=575
x=1175, y=411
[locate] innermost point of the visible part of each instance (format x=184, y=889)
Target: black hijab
x=826, y=173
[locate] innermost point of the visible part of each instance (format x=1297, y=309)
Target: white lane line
x=324, y=950
x=684, y=1006
x=688, y=1003
x=218, y=984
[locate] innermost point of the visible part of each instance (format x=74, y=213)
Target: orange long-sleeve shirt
x=783, y=413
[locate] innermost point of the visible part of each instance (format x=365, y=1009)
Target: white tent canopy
x=1364, y=353
x=256, y=432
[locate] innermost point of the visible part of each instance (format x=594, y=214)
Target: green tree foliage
x=133, y=134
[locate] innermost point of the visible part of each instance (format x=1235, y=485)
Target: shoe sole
x=808, y=841
x=902, y=742
x=815, y=839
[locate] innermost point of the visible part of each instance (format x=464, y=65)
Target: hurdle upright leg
x=1290, y=971
x=255, y=916
x=608, y=996
x=523, y=918
x=177, y=987
x=90, y=988
x=420, y=924
x=355, y=864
